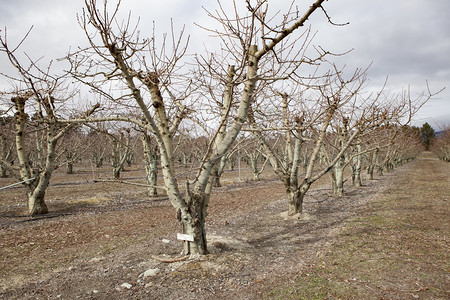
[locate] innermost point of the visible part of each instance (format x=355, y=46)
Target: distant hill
x=438, y=133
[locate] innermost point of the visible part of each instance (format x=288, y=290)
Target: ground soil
x=385, y=240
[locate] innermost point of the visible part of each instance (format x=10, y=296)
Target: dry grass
x=396, y=249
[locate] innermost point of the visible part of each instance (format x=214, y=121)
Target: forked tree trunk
x=295, y=202
x=379, y=170
x=193, y=223
x=35, y=183
x=97, y=158
x=119, y=156
x=295, y=198
x=36, y=203
x=185, y=159
x=116, y=172
x=254, y=165
x=38, y=186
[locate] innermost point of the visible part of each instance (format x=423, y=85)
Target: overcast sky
x=406, y=40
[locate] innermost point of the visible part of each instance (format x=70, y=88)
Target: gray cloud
x=407, y=40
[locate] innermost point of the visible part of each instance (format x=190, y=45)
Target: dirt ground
x=100, y=241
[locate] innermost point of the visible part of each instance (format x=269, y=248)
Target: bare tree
x=41, y=95
x=74, y=145
x=442, y=145
x=121, y=149
x=255, y=153
x=150, y=77
x=311, y=123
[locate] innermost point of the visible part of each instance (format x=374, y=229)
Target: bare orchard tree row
x=164, y=96
x=38, y=99
x=190, y=110
x=340, y=125
x=441, y=145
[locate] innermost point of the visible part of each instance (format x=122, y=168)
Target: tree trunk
x=69, y=166
x=185, y=160
x=152, y=177
x=36, y=192
x=116, y=172
x=218, y=171
x=151, y=166
x=97, y=158
x=296, y=196
x=356, y=178
x=295, y=201
x=338, y=188
x=129, y=158
x=216, y=177
x=256, y=176
x=356, y=175
x=5, y=155
x=118, y=159
x=3, y=173
x=373, y=161
x=231, y=162
x=369, y=172
x=254, y=165
x=193, y=223
x=36, y=203
x=379, y=170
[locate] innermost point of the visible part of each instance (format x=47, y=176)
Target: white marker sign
x=185, y=237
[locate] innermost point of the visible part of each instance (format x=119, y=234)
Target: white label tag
x=185, y=237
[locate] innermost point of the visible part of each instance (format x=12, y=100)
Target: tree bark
x=151, y=166
x=36, y=194
x=69, y=167
x=193, y=223
x=356, y=166
x=338, y=186
x=254, y=165
x=216, y=177
x=369, y=172
x=373, y=159
x=357, y=181
x=120, y=152
x=295, y=201
x=296, y=196
x=5, y=156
